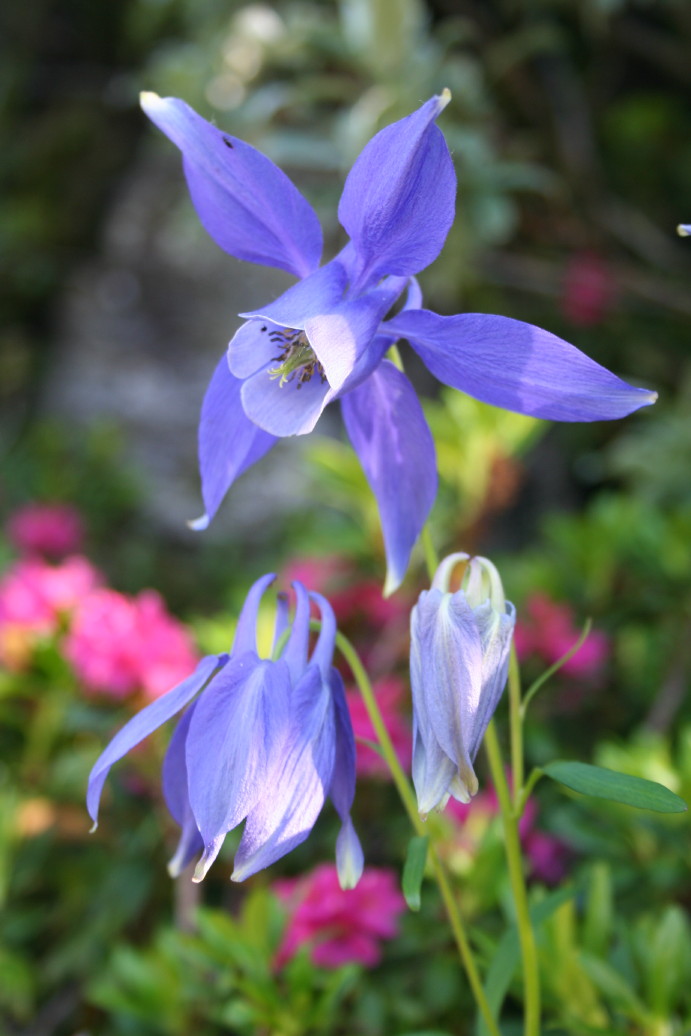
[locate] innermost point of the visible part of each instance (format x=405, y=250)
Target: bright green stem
x=516, y=726
x=408, y=798
x=510, y=817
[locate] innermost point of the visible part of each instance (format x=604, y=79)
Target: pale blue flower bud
x=459, y=658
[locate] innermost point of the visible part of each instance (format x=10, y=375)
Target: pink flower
x=119, y=645
x=339, y=927
x=548, y=856
x=54, y=530
x=549, y=631
x=589, y=289
x=390, y=694
x=34, y=597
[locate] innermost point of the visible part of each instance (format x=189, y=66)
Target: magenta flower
x=35, y=598
x=390, y=695
x=339, y=926
x=547, y=855
x=53, y=530
x=326, y=337
x=119, y=645
x=548, y=630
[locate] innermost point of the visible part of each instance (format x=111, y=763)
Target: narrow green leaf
x=616, y=787
x=508, y=953
x=414, y=869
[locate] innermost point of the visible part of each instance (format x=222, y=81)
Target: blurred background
x=570, y=126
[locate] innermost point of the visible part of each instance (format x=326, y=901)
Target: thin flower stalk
x=512, y=844
x=408, y=798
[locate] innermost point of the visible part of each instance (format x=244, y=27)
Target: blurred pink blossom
x=548, y=856
x=546, y=628
x=34, y=597
x=352, y=596
x=589, y=289
x=53, y=530
x=119, y=645
x=390, y=694
x=339, y=927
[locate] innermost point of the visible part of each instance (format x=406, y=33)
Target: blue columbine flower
x=265, y=740
x=326, y=337
x=459, y=657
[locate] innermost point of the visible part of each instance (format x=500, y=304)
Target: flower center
x=296, y=358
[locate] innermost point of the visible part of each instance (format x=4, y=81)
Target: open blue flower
x=459, y=658
x=265, y=741
x=326, y=337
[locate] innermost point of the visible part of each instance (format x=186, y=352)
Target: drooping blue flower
x=459, y=657
x=265, y=741
x=326, y=337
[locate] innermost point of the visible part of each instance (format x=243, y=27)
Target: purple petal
x=432, y=770
x=324, y=649
x=144, y=723
x=177, y=797
x=517, y=366
x=350, y=859
x=245, y=202
x=229, y=442
x=496, y=633
x=295, y=654
x=446, y=676
x=342, y=337
x=235, y=735
x=289, y=409
x=398, y=201
x=246, y=630
x=389, y=433
x=295, y=793
x=251, y=348
x=342, y=790
x=318, y=293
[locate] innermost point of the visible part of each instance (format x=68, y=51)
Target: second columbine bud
x=459, y=658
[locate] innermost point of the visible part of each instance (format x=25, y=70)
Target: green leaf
x=616, y=787
x=414, y=869
x=508, y=953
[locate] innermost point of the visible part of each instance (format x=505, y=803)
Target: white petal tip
x=391, y=584
x=199, y=524
x=444, y=98
x=93, y=827
x=684, y=230
x=148, y=99
x=174, y=869
x=200, y=870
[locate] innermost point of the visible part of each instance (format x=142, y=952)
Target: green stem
x=515, y=725
x=531, y=974
x=408, y=798
x=541, y=680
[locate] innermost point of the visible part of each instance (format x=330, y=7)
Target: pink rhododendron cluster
x=337, y=926
x=390, y=694
x=547, y=630
x=548, y=856
x=50, y=530
x=120, y=644
x=35, y=597
x=116, y=644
